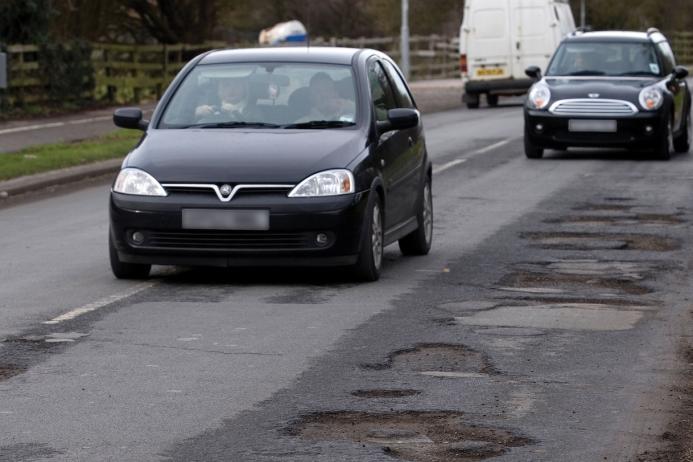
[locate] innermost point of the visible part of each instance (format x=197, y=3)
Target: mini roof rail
x=653, y=30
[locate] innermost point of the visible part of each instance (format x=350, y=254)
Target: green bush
x=67, y=70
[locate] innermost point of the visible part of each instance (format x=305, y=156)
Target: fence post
x=3, y=70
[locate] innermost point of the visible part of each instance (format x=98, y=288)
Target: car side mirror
x=399, y=119
x=130, y=117
x=680, y=72
x=533, y=72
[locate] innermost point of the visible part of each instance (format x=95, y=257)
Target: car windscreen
x=257, y=95
x=607, y=58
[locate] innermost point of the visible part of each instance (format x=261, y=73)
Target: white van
x=499, y=39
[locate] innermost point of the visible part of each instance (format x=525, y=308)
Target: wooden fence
x=682, y=43
x=131, y=73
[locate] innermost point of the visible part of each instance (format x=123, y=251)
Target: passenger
x=234, y=103
x=326, y=103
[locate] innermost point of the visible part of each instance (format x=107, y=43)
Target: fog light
x=539, y=128
x=137, y=237
x=321, y=239
x=649, y=129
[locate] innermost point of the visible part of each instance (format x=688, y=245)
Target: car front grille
x=593, y=107
x=235, y=191
x=229, y=240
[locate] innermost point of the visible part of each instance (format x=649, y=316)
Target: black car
x=289, y=156
x=610, y=89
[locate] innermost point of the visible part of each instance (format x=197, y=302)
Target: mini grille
x=593, y=107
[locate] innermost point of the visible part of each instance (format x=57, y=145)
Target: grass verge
x=47, y=157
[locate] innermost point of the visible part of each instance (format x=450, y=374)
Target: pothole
x=385, y=393
x=417, y=436
x=7, y=371
x=436, y=357
x=619, y=220
x=534, y=279
x=602, y=241
x=609, y=207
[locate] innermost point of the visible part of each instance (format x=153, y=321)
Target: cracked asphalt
x=546, y=324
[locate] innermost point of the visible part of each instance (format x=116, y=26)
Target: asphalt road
x=546, y=324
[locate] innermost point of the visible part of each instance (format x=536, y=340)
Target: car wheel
x=663, y=150
x=123, y=270
x=370, y=259
x=682, y=143
x=419, y=242
x=533, y=151
x=492, y=100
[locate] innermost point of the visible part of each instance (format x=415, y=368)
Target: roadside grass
x=47, y=157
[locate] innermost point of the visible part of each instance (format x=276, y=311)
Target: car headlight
x=539, y=96
x=327, y=183
x=651, y=98
x=137, y=182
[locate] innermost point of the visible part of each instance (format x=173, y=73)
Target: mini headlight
x=539, y=96
x=137, y=182
x=327, y=183
x=651, y=98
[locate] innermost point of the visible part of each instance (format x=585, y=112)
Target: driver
x=234, y=102
x=326, y=103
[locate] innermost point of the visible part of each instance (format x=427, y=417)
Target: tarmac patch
x=438, y=357
x=602, y=241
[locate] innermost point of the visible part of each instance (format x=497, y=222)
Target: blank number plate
x=239, y=220
x=592, y=126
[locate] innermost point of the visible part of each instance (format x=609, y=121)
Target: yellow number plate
x=490, y=71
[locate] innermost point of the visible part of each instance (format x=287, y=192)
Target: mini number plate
x=593, y=126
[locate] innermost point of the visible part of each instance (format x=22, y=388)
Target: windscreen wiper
x=587, y=73
x=637, y=74
x=232, y=124
x=321, y=124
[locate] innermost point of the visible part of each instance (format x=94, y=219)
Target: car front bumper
x=639, y=132
x=294, y=224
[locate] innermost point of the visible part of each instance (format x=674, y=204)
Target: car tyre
x=682, y=143
x=663, y=150
x=492, y=100
x=370, y=258
x=123, y=270
x=533, y=151
x=418, y=242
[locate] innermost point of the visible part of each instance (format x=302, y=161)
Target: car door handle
x=410, y=140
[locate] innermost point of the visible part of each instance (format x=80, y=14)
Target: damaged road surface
x=551, y=321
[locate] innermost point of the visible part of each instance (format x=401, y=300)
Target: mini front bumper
x=290, y=240
x=639, y=132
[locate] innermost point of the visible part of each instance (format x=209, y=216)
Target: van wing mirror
x=533, y=72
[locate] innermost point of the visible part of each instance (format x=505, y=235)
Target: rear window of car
x=607, y=58
x=263, y=93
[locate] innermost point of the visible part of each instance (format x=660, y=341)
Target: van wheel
x=492, y=100
x=123, y=270
x=472, y=100
x=532, y=151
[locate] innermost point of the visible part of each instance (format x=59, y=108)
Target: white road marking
x=27, y=128
x=100, y=303
x=441, y=168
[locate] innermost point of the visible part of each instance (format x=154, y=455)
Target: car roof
x=617, y=36
x=327, y=55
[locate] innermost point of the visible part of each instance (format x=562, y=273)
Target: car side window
x=667, y=56
x=404, y=99
x=382, y=96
